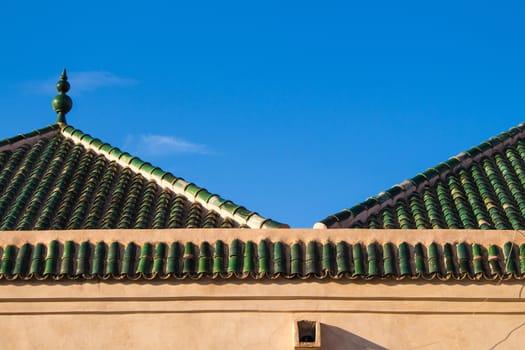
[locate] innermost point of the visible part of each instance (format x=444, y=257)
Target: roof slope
x=482, y=188
x=60, y=178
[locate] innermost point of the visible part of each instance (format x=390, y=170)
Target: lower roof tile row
x=71, y=260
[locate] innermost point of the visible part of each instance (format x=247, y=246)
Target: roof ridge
x=35, y=135
x=374, y=204
x=167, y=180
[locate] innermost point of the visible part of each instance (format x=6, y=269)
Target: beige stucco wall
x=257, y=331
x=260, y=314
x=255, y=316
x=484, y=237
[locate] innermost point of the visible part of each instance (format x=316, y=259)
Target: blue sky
x=296, y=110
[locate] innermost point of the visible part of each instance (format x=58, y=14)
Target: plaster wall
x=285, y=235
x=261, y=316
x=258, y=331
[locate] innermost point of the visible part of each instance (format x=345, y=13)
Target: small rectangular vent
x=307, y=335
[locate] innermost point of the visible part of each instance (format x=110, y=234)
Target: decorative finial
x=62, y=103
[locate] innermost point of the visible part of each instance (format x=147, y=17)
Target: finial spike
x=62, y=103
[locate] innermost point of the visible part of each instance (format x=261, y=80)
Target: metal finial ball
x=63, y=86
x=62, y=103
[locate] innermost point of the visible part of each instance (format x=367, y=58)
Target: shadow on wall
x=335, y=338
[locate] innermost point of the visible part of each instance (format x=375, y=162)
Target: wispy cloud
x=88, y=81
x=158, y=145
x=80, y=81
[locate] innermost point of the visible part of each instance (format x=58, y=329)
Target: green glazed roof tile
x=173, y=260
x=146, y=259
x=342, y=258
x=434, y=259
x=205, y=259
x=50, y=267
x=483, y=188
x=358, y=260
x=235, y=256
x=82, y=263
x=404, y=259
x=296, y=259
x=98, y=259
x=112, y=265
x=36, y=260
x=389, y=259
x=328, y=256
x=478, y=259
x=128, y=262
x=248, y=265
x=263, y=252
x=219, y=258
x=188, y=259
x=373, y=258
x=192, y=189
x=312, y=259
x=279, y=258
x=23, y=260
x=494, y=260
x=420, y=259
x=510, y=258
x=271, y=224
x=125, y=157
x=66, y=263
x=160, y=257
x=8, y=260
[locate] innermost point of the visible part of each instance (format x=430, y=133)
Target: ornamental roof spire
x=62, y=103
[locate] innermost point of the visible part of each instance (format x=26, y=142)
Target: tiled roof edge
x=265, y=260
x=462, y=160
x=178, y=185
x=35, y=135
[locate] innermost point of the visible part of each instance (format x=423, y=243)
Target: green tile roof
x=176, y=260
x=482, y=188
x=61, y=178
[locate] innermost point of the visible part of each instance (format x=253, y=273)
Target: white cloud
x=80, y=82
x=87, y=81
x=158, y=145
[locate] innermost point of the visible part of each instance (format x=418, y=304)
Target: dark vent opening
x=306, y=331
